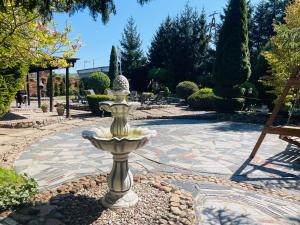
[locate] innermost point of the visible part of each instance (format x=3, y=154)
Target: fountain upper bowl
x=103, y=139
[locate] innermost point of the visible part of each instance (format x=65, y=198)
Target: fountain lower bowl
x=103, y=139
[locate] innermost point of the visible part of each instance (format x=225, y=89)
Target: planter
x=44, y=109
x=60, y=111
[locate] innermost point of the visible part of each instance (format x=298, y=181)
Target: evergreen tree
x=113, y=65
x=48, y=87
x=232, y=66
x=56, y=89
x=131, y=54
x=181, y=46
x=62, y=88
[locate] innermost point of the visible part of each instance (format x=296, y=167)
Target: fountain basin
x=103, y=139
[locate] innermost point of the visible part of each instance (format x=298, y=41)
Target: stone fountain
x=120, y=140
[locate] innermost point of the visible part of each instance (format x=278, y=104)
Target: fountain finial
x=121, y=88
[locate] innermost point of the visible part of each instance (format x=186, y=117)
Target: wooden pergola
x=37, y=70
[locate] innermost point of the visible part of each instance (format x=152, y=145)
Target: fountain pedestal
x=120, y=181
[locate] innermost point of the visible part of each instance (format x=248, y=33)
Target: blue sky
x=99, y=38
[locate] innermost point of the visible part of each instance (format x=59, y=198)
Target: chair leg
x=258, y=144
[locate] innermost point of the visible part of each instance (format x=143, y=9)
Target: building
x=85, y=73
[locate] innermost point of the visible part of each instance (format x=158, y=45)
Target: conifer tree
x=232, y=66
x=56, y=89
x=62, y=88
x=113, y=64
x=132, y=56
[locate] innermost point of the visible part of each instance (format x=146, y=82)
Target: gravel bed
x=85, y=207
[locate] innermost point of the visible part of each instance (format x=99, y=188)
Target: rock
x=21, y=218
x=163, y=221
x=52, y=221
x=175, y=204
x=166, y=189
x=176, y=210
x=174, y=198
x=183, y=207
x=10, y=221
x=29, y=211
x=34, y=222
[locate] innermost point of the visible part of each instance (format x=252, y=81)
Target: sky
x=98, y=38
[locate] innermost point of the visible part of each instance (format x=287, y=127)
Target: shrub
x=167, y=91
x=227, y=105
x=202, y=99
x=94, y=101
x=185, y=89
x=98, y=81
x=15, y=189
x=11, y=80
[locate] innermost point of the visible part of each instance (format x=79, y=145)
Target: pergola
x=37, y=70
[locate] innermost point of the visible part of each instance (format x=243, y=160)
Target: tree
x=131, y=54
x=56, y=89
x=232, y=66
x=98, y=81
x=96, y=8
x=181, y=46
x=26, y=40
x=284, y=54
x=62, y=88
x=113, y=64
x=48, y=87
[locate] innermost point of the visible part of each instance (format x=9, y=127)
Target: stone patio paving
x=186, y=146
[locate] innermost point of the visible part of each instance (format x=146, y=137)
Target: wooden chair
x=287, y=133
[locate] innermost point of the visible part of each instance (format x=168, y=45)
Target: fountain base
x=114, y=201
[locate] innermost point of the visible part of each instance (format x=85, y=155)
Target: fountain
x=120, y=141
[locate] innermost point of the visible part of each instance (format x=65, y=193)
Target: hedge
x=94, y=101
x=185, y=89
x=202, y=100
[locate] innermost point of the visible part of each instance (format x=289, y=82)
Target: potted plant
x=60, y=109
x=44, y=108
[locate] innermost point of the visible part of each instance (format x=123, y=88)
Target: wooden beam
x=51, y=90
x=283, y=130
x=38, y=88
x=28, y=89
x=67, y=93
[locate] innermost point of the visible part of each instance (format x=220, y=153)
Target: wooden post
x=51, y=90
x=28, y=89
x=67, y=94
x=38, y=88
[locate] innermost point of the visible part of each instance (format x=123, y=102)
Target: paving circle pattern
x=203, y=147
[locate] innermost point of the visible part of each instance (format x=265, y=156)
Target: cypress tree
x=232, y=66
x=49, y=86
x=56, y=89
x=113, y=64
x=62, y=88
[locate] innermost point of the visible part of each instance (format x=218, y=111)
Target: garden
x=202, y=128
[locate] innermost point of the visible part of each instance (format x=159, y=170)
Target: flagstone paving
x=186, y=146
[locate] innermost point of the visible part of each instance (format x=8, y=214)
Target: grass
x=8, y=177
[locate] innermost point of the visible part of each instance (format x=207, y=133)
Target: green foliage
x=167, y=91
x=162, y=76
x=94, y=100
x=49, y=86
x=202, y=99
x=185, y=89
x=15, y=189
x=56, y=89
x=232, y=66
x=62, y=88
x=227, y=105
x=98, y=81
x=103, y=8
x=132, y=55
x=181, y=46
x=284, y=54
x=11, y=80
x=113, y=64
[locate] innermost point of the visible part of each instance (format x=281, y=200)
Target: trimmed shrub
x=185, y=89
x=98, y=81
x=227, y=105
x=202, y=99
x=15, y=189
x=11, y=80
x=94, y=101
